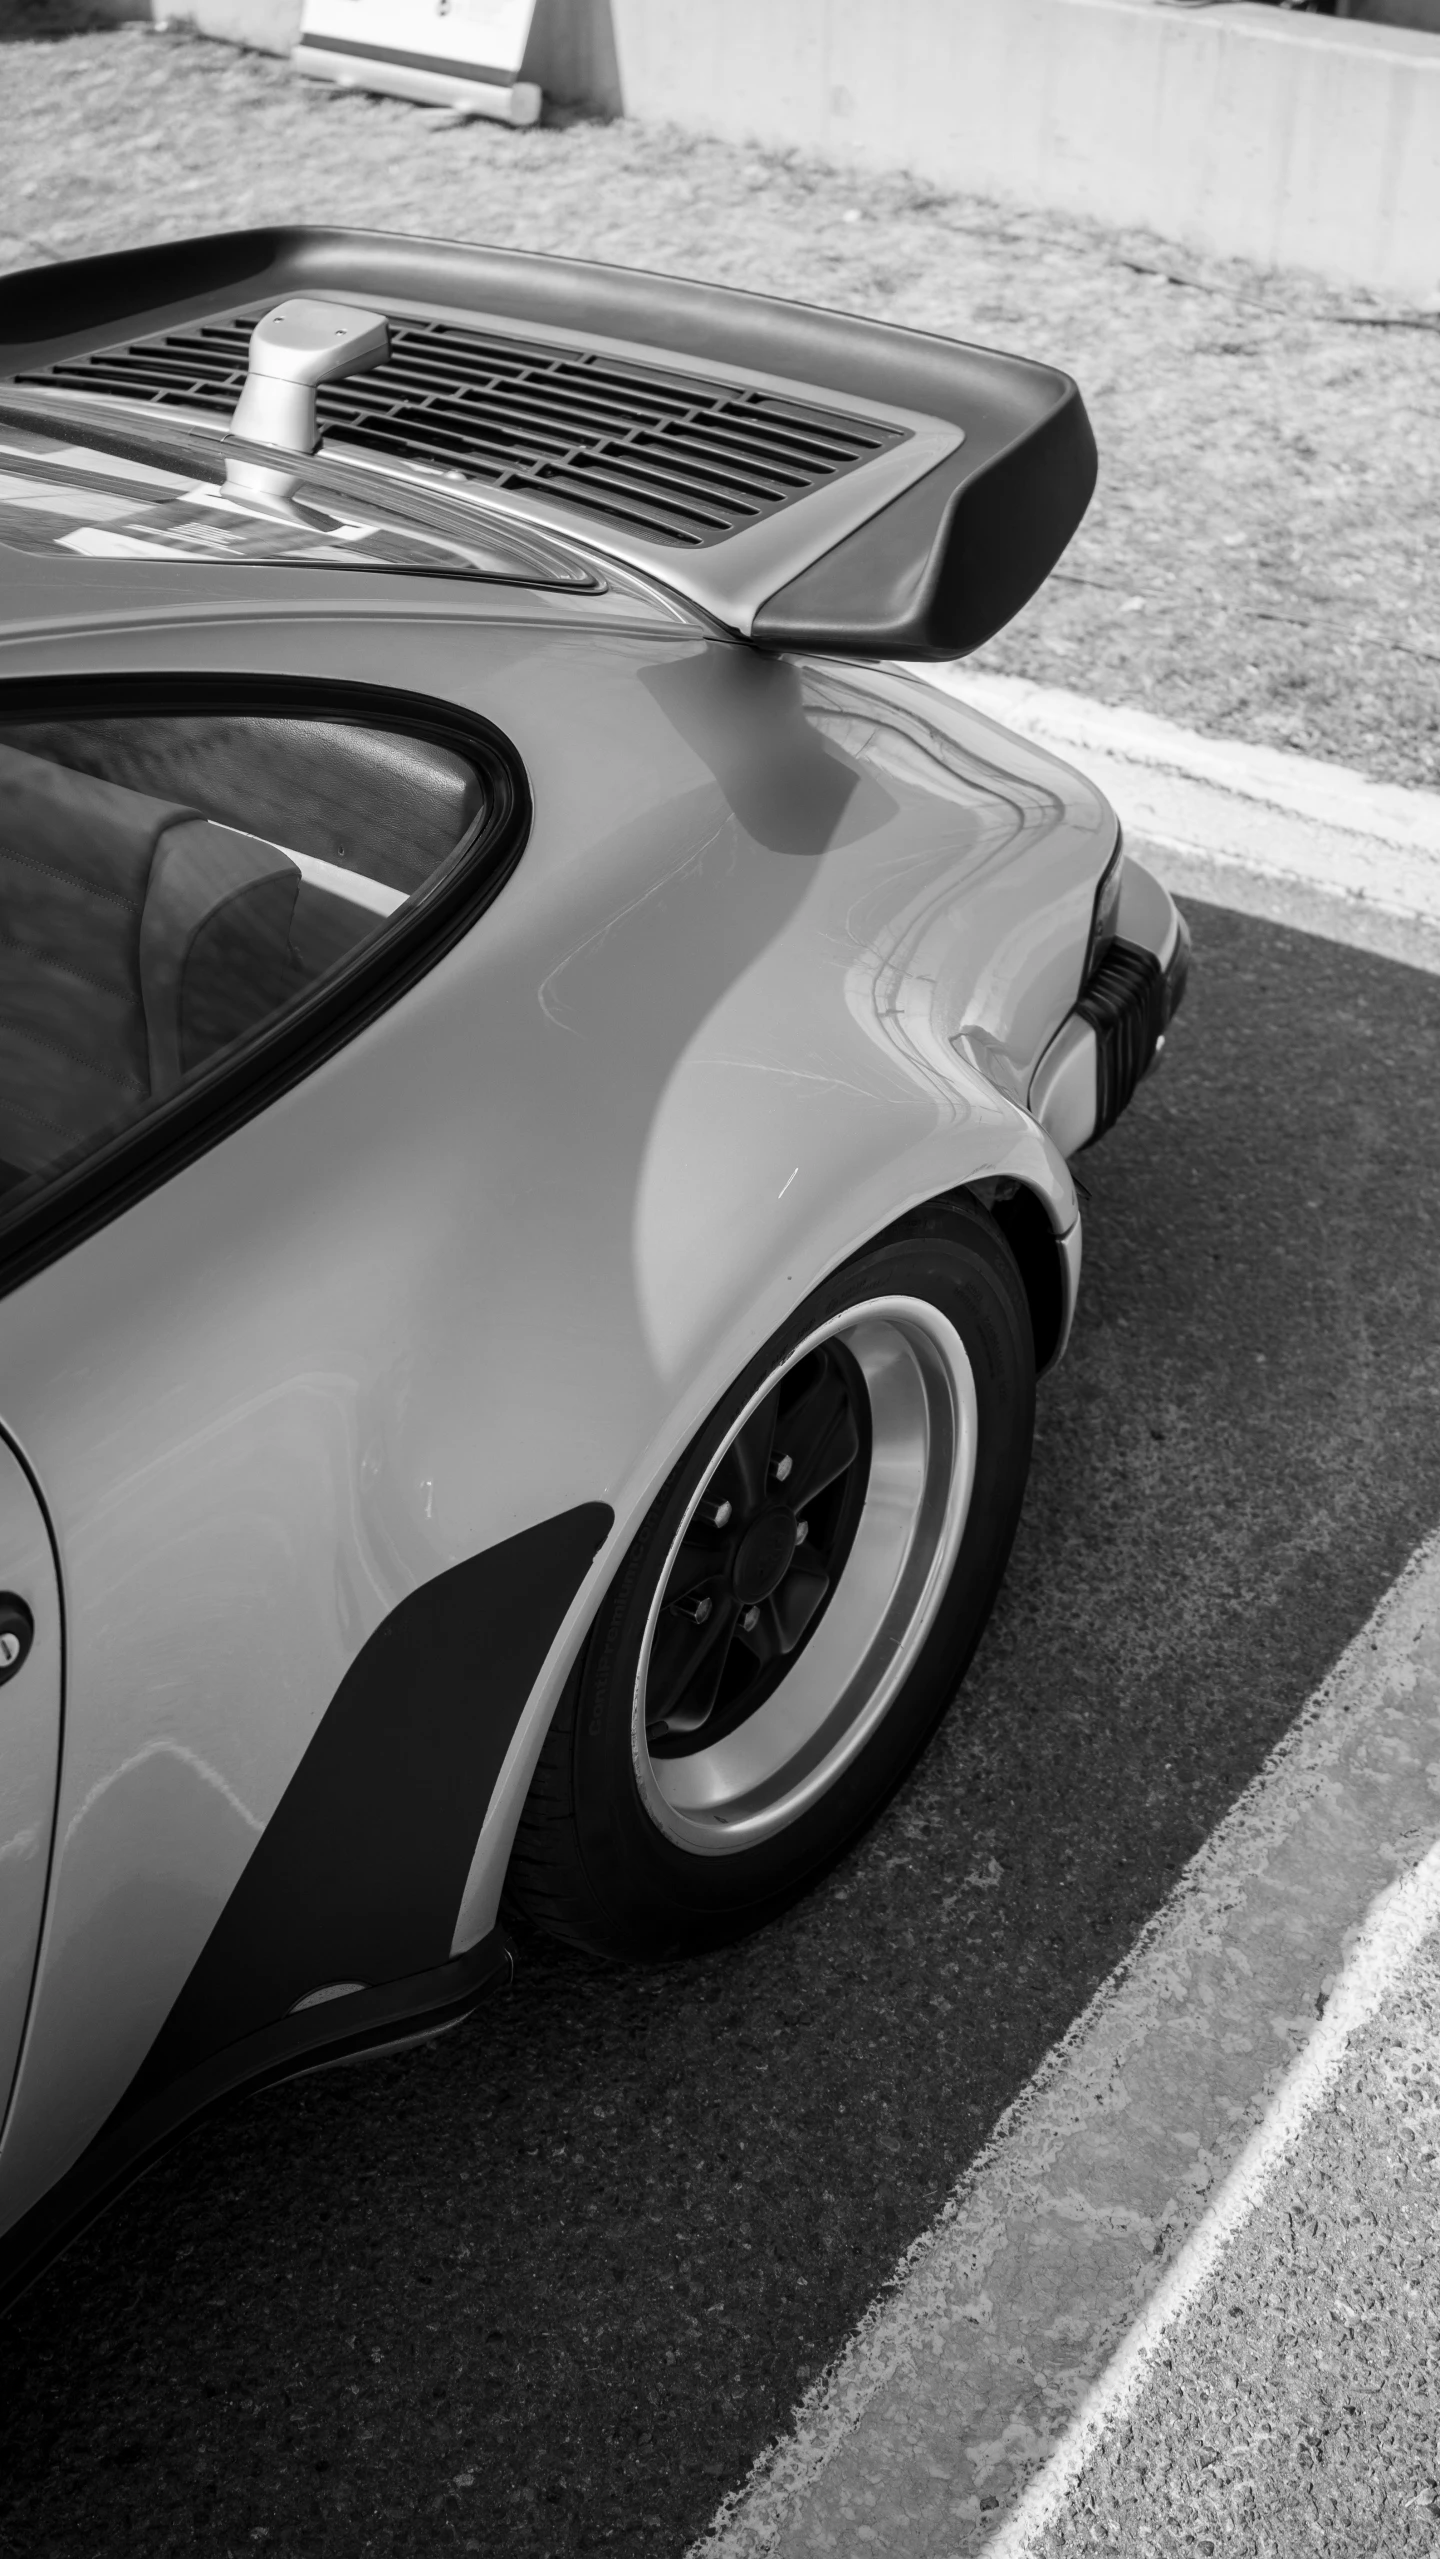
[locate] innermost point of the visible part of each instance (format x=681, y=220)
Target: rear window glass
x=176, y=885
x=59, y=496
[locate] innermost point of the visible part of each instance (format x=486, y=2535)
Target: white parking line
x=1398, y=1925
x=961, y=2381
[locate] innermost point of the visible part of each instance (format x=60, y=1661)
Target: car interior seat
x=138, y=939
x=390, y=806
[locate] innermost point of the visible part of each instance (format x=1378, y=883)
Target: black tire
x=591, y=1863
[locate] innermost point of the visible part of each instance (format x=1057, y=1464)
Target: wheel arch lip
x=1027, y=1163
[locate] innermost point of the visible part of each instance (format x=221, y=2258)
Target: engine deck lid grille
x=809, y=480
x=679, y=459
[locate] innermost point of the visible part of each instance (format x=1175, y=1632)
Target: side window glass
x=175, y=886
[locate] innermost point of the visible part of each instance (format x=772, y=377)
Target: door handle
x=17, y=1632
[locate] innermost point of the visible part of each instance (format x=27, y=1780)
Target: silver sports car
x=537, y=1069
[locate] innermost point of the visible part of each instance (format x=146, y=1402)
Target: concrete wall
x=1260, y=133
x=1266, y=134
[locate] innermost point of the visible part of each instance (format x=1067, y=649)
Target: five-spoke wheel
x=797, y=1608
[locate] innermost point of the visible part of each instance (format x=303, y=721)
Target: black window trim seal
x=272, y=1060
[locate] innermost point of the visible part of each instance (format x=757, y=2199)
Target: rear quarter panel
x=499, y=1256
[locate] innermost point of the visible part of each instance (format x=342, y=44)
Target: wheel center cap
x=764, y=1555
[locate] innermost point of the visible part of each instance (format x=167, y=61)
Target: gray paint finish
x=500, y=1255
x=30, y=1708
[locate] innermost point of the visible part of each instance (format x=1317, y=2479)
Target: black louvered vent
x=670, y=457
x=1124, y=1003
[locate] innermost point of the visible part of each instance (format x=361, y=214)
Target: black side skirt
x=364, y=2021
x=358, y=1876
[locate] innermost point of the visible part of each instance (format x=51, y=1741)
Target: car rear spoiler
x=924, y=549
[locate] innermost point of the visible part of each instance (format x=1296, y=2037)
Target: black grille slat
x=616, y=473
x=129, y=380
x=468, y=409
x=676, y=458
x=743, y=440
x=697, y=487
x=490, y=457
x=494, y=428
x=642, y=515
x=719, y=469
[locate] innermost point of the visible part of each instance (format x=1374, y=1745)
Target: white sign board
x=421, y=48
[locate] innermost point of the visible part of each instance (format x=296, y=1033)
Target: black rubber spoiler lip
x=933, y=573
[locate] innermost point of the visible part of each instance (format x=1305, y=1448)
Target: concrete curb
x=1002, y=2319
x=1176, y=2368
x=1302, y=843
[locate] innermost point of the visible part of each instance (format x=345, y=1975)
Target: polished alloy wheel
x=795, y=1611
x=805, y=1575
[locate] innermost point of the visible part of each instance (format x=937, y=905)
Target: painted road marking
x=1395, y=1933
x=961, y=2380
x=1285, y=837
x=1292, y=2401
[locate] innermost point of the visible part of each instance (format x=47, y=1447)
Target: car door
x=30, y=1705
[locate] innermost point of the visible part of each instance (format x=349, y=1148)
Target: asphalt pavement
x=550, y=2285
x=999, y=2399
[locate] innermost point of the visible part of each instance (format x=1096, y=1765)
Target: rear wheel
x=798, y=1606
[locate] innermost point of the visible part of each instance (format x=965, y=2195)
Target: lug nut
x=802, y=1531
x=714, y=1514
x=749, y=1620
x=780, y=1467
x=698, y=1609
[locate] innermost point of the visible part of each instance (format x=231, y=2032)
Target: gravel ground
x=1298, y=2409
x=1260, y=558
